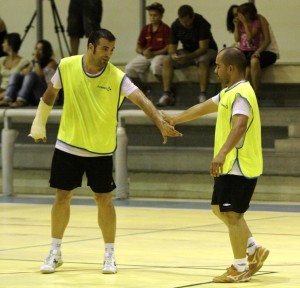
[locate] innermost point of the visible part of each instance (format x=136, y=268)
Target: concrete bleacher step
x=162, y=159
x=291, y=144
x=294, y=130
x=164, y=185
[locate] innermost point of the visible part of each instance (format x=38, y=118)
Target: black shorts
x=84, y=16
x=67, y=171
x=266, y=58
x=233, y=193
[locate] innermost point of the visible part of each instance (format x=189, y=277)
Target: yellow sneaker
x=257, y=260
x=232, y=276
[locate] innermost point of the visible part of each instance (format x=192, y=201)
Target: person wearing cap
x=152, y=47
x=199, y=48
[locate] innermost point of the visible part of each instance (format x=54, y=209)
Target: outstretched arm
x=167, y=130
x=192, y=113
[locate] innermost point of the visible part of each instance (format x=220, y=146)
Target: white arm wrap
x=38, y=127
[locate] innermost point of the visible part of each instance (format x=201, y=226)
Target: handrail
x=138, y=117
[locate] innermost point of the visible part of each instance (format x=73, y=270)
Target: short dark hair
x=157, y=7
x=95, y=36
x=14, y=41
x=234, y=56
x=185, y=10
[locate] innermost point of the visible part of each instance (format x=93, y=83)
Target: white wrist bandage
x=38, y=127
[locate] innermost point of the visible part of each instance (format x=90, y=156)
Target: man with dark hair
x=152, y=47
x=199, y=48
x=237, y=161
x=94, y=90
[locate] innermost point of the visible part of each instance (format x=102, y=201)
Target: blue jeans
x=28, y=88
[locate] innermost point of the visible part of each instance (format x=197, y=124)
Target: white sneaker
x=52, y=262
x=109, y=265
x=201, y=98
x=167, y=99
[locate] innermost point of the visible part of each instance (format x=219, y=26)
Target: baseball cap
x=156, y=6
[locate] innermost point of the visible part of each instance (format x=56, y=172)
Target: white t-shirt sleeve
x=241, y=106
x=127, y=87
x=216, y=99
x=56, y=81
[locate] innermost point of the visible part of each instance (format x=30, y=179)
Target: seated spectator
x=27, y=86
x=12, y=62
x=3, y=32
x=256, y=40
x=199, y=48
x=152, y=47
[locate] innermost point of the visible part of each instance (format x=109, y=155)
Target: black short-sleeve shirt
x=190, y=37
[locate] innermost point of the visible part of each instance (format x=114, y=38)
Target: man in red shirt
x=152, y=46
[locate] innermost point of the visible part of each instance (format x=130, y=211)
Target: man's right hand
x=38, y=132
x=167, y=130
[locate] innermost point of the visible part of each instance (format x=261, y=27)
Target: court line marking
x=210, y=282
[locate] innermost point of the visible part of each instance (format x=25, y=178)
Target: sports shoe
x=109, y=265
x=202, y=98
x=18, y=104
x=5, y=102
x=256, y=260
x=167, y=99
x=52, y=262
x=232, y=276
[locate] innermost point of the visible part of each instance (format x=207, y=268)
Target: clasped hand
x=167, y=128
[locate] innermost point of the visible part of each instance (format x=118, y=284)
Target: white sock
x=56, y=244
x=251, y=245
x=109, y=249
x=240, y=264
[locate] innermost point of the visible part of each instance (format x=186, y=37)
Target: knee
x=216, y=210
x=254, y=63
x=103, y=199
x=156, y=69
x=63, y=197
x=167, y=62
x=232, y=218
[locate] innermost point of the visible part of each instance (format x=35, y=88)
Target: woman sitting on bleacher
x=27, y=86
x=12, y=62
x=266, y=52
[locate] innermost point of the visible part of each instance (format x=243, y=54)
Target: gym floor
x=159, y=244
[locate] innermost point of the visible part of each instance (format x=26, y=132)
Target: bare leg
x=60, y=213
x=74, y=42
x=167, y=74
x=203, y=69
x=239, y=231
x=255, y=73
x=106, y=216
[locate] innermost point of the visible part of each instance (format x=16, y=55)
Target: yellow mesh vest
x=90, y=111
x=249, y=155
